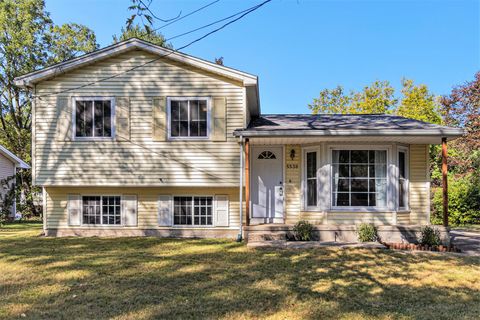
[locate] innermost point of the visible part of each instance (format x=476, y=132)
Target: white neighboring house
x=9, y=163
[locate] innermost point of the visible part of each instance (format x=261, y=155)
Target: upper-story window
x=188, y=118
x=93, y=117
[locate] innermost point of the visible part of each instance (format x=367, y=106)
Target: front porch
x=337, y=171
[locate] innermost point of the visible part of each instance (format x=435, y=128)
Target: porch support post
x=445, y=182
x=240, y=195
x=247, y=181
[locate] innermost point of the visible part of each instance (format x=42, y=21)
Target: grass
x=149, y=278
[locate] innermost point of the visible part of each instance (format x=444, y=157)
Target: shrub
x=303, y=231
x=430, y=236
x=463, y=201
x=367, y=232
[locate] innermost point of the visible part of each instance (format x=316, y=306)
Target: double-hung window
x=193, y=211
x=402, y=179
x=93, y=117
x=188, y=118
x=101, y=210
x=359, y=178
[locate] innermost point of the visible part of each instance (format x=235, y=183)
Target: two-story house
x=136, y=139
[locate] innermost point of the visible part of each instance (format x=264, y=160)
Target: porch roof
x=345, y=125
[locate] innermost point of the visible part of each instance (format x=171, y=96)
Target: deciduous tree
x=29, y=40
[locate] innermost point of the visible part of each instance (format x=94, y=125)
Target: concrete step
x=253, y=236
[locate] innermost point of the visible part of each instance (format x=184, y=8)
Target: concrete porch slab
x=313, y=244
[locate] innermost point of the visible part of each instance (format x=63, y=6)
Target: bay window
x=359, y=178
x=311, y=178
x=402, y=179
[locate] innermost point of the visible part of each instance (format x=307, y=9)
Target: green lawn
x=148, y=278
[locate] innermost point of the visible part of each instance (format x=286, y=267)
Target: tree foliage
x=30, y=41
x=375, y=98
x=462, y=108
x=143, y=33
x=418, y=103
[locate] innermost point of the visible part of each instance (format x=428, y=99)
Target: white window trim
x=193, y=225
x=306, y=150
x=102, y=225
x=74, y=117
x=169, y=115
x=388, y=149
x=407, y=178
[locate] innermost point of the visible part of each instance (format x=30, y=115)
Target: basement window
x=101, y=210
x=193, y=211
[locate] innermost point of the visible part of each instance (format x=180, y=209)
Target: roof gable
x=9, y=155
x=31, y=78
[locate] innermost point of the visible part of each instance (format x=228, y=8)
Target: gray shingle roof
x=338, y=124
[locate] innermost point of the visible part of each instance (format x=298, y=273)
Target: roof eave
x=19, y=163
x=452, y=133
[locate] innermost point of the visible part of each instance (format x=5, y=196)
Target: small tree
x=7, y=197
x=29, y=40
x=375, y=98
x=144, y=34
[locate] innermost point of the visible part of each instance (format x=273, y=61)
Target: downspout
x=240, y=231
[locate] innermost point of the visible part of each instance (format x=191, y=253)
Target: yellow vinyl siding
x=419, y=185
x=359, y=217
x=140, y=161
x=57, y=214
x=292, y=183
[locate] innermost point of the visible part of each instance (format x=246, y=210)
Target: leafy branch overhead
x=141, y=9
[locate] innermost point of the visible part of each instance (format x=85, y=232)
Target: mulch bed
x=420, y=247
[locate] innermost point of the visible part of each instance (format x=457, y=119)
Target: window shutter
x=74, y=207
x=165, y=212
x=159, y=123
x=122, y=115
x=219, y=119
x=129, y=208
x=221, y=211
x=64, y=119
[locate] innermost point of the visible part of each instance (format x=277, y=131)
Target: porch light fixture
x=292, y=154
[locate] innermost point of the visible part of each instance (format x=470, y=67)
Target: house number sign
x=292, y=166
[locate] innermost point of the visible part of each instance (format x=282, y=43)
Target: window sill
x=360, y=210
x=189, y=139
x=189, y=226
x=94, y=139
x=103, y=226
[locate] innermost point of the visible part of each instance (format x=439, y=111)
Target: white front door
x=266, y=184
